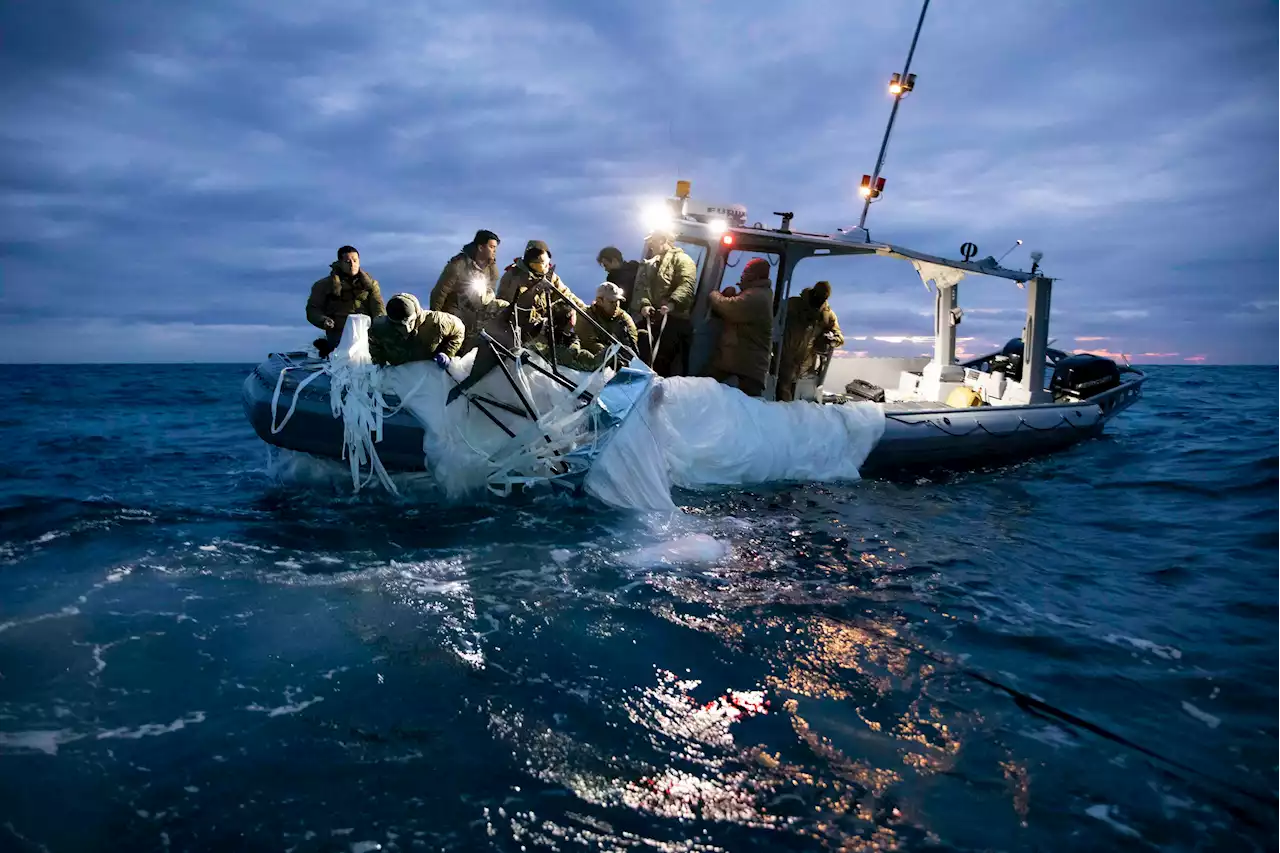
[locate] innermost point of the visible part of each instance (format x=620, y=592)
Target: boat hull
x=312, y=428
x=916, y=437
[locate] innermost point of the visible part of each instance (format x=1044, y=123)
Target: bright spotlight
x=718, y=226
x=657, y=217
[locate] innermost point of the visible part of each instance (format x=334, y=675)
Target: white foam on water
x=1051, y=735
x=1203, y=716
x=45, y=741
x=696, y=548
x=281, y=710
x=118, y=574
x=1103, y=813
x=16, y=623
x=1165, y=652
x=154, y=729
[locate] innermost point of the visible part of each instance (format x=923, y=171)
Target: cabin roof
x=854, y=242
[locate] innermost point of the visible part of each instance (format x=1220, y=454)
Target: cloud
x=1089, y=339
x=1197, y=359
x=1115, y=356
x=194, y=167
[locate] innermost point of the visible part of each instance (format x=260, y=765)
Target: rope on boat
x=1022, y=422
x=355, y=396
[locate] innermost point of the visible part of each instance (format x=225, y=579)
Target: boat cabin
x=717, y=238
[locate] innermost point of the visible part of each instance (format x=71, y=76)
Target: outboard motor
x=1009, y=361
x=1079, y=377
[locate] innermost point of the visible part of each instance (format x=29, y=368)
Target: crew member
x=474, y=269
x=665, y=294
x=747, y=335
x=607, y=311
x=531, y=283
x=346, y=290
x=408, y=333
x=620, y=272
x=561, y=336
x=812, y=329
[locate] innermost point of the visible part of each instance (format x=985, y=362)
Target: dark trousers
x=330, y=341
x=747, y=385
x=672, y=358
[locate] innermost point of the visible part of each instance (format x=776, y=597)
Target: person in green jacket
x=746, y=337
x=470, y=272
x=607, y=311
x=561, y=334
x=812, y=329
x=408, y=333
x=530, y=282
x=346, y=290
x=666, y=285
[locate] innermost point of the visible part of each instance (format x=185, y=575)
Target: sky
x=173, y=177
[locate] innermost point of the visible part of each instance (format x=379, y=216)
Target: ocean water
x=1074, y=653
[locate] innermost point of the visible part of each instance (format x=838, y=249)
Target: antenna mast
x=899, y=86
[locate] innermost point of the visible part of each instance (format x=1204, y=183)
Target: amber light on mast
x=900, y=85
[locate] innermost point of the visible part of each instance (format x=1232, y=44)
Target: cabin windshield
x=697, y=251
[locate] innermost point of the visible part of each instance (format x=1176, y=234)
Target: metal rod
x=897, y=99
x=524, y=401
x=550, y=331
x=506, y=407
x=558, y=467
x=554, y=377
x=493, y=418
x=488, y=414
x=589, y=318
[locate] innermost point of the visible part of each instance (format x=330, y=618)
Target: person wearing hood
x=526, y=283
x=408, y=333
x=471, y=271
x=666, y=284
x=746, y=337
x=561, y=335
x=812, y=329
x=346, y=290
x=607, y=311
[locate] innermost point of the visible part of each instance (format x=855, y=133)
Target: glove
x=328, y=323
x=442, y=360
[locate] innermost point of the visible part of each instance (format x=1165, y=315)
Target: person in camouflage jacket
x=476, y=311
x=525, y=282
x=346, y=290
x=568, y=348
x=473, y=269
x=607, y=311
x=812, y=329
x=408, y=333
x=666, y=285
